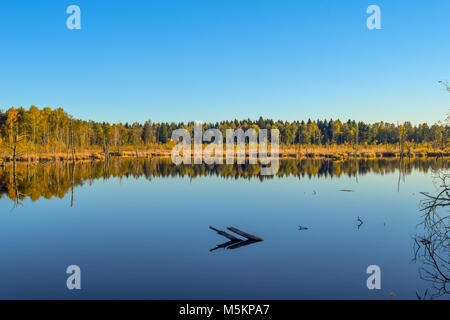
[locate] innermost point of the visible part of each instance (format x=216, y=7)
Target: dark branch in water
x=226, y=244
x=225, y=234
x=234, y=242
x=244, y=234
x=242, y=244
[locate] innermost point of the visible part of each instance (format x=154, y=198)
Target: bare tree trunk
x=71, y=135
x=67, y=144
x=15, y=150
x=106, y=151
x=401, y=146
x=34, y=140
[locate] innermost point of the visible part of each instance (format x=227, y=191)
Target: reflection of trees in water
x=60, y=178
x=432, y=246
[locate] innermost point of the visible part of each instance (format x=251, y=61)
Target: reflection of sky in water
x=135, y=238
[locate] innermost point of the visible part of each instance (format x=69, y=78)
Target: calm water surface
x=140, y=230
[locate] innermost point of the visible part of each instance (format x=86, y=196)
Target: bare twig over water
x=360, y=222
x=445, y=83
x=432, y=247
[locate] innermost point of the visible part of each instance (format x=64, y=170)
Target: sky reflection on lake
x=140, y=229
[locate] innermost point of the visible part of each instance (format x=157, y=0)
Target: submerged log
x=227, y=244
x=244, y=234
x=242, y=244
x=225, y=234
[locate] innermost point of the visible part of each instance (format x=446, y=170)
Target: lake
x=139, y=229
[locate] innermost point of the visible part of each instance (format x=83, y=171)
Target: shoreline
x=283, y=154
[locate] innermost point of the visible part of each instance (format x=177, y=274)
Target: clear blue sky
x=211, y=60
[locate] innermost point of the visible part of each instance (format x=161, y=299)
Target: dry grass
x=332, y=152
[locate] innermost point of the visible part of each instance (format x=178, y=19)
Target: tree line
x=54, y=130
